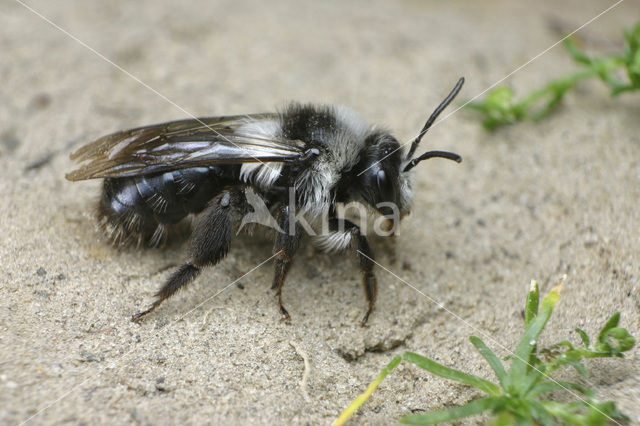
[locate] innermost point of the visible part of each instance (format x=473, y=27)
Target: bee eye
x=385, y=186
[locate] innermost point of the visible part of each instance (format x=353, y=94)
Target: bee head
x=379, y=176
x=384, y=179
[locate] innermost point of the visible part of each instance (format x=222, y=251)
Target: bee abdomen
x=140, y=210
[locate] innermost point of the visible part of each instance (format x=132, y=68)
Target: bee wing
x=184, y=144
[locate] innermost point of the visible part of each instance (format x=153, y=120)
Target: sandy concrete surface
x=530, y=201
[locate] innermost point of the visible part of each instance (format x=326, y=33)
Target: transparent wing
x=184, y=144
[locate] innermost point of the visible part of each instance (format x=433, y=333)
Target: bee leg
x=184, y=275
x=285, y=246
x=210, y=243
x=365, y=260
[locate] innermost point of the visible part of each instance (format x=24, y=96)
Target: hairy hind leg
x=210, y=242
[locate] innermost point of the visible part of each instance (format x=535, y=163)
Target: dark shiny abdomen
x=140, y=209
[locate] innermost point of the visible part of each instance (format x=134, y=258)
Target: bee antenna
x=433, y=117
x=431, y=154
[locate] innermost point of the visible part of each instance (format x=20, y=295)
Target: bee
x=154, y=176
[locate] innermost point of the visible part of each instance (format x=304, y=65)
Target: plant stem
x=556, y=89
x=361, y=399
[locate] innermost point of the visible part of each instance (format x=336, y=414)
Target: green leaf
x=498, y=108
x=608, y=409
x=532, y=377
x=503, y=419
x=531, y=305
x=552, y=386
x=500, y=99
x=577, y=54
x=632, y=57
x=451, y=374
x=617, y=340
x=565, y=343
x=474, y=407
x=587, y=413
x=522, y=415
x=520, y=362
x=611, y=323
x=577, y=365
x=493, y=361
x=540, y=413
x=563, y=411
x=624, y=339
x=584, y=337
x=613, y=340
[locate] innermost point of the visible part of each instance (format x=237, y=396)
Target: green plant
x=500, y=107
x=517, y=397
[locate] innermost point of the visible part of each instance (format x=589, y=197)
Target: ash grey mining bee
x=155, y=176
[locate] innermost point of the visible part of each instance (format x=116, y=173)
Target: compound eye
x=385, y=186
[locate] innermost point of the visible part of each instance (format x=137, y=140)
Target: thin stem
x=361, y=399
x=499, y=107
